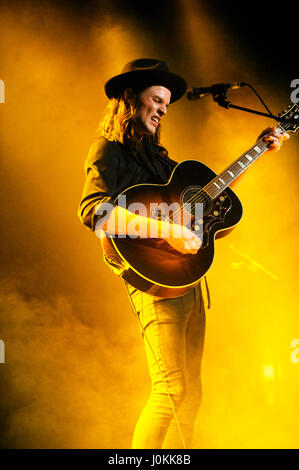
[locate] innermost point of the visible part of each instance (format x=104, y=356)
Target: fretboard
x=215, y=187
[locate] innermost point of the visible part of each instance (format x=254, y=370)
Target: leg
x=164, y=323
x=195, y=334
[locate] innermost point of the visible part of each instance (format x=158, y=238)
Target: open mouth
x=155, y=121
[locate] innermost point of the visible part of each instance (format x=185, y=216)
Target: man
x=128, y=152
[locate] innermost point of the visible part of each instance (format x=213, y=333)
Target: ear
x=129, y=94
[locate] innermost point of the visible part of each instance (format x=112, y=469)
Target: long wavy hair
x=118, y=125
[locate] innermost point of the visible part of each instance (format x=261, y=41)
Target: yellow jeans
x=173, y=331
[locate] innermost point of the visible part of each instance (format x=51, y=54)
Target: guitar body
x=151, y=264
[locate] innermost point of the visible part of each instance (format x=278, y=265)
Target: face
x=151, y=107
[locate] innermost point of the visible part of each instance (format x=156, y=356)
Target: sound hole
x=195, y=194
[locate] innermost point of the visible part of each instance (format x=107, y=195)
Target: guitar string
x=233, y=166
x=205, y=196
x=201, y=195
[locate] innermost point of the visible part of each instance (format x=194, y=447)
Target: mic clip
x=221, y=99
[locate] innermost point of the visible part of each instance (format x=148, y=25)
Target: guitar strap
x=208, y=292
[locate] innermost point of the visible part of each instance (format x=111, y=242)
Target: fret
x=222, y=181
x=215, y=187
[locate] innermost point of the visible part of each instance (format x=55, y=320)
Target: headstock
x=291, y=119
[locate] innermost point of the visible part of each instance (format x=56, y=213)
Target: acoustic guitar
x=151, y=264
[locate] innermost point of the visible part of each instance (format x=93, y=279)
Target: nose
x=162, y=110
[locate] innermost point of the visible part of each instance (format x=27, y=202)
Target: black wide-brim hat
x=143, y=73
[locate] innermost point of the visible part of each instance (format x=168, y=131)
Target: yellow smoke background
x=75, y=375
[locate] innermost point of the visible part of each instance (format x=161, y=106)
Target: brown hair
x=118, y=124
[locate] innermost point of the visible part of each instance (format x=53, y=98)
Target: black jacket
x=110, y=169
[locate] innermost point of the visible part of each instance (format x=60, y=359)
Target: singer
x=127, y=152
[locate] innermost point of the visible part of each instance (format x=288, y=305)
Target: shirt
x=110, y=169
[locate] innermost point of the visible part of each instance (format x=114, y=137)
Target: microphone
x=198, y=93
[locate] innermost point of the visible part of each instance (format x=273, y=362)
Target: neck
x=215, y=187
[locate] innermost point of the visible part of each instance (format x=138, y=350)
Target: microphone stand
x=222, y=100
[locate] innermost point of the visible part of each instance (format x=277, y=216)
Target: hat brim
x=140, y=79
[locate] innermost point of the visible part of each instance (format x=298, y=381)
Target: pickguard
x=215, y=219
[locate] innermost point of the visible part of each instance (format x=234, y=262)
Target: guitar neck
x=215, y=187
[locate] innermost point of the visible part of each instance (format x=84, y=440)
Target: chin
x=149, y=130
x=153, y=130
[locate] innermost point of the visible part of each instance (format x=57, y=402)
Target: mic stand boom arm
x=222, y=100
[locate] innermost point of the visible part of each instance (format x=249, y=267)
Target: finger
x=274, y=146
x=196, y=242
x=268, y=130
x=275, y=139
x=272, y=139
x=187, y=247
x=190, y=248
x=279, y=135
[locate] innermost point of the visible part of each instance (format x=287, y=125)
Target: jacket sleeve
x=102, y=170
